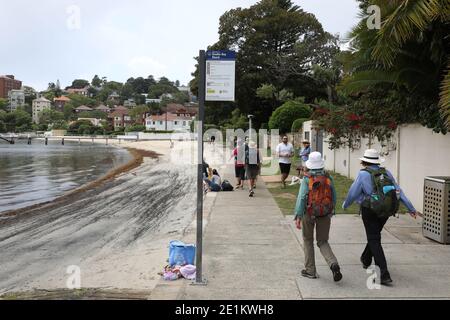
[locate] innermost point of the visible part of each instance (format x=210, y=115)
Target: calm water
x=30, y=174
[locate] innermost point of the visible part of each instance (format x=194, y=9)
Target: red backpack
x=320, y=196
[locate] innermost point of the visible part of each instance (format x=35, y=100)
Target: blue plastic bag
x=181, y=254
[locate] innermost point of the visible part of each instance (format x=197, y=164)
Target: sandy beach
x=116, y=229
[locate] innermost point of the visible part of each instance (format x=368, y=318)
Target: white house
x=16, y=99
x=40, y=105
x=174, y=122
x=147, y=101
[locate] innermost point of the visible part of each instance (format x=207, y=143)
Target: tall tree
x=277, y=43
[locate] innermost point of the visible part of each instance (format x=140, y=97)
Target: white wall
x=416, y=152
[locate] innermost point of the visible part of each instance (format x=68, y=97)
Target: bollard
x=79, y=140
x=46, y=141
x=62, y=141
x=29, y=140
x=106, y=141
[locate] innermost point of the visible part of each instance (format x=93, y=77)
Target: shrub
x=136, y=128
x=298, y=125
x=283, y=117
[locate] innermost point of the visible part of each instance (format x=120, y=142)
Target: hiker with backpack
x=315, y=206
x=379, y=196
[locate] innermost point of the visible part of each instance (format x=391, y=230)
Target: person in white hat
x=362, y=192
x=315, y=206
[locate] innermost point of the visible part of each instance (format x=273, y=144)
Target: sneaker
x=306, y=274
x=337, y=275
x=251, y=194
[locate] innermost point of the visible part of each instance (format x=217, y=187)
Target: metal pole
x=201, y=116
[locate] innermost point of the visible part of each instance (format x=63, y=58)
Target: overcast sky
x=42, y=40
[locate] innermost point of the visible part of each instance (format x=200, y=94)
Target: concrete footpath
x=252, y=251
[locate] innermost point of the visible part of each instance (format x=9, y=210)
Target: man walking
x=285, y=151
x=315, y=206
x=252, y=165
x=376, y=190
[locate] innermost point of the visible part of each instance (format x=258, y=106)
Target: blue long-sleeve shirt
x=363, y=188
x=304, y=154
x=302, y=197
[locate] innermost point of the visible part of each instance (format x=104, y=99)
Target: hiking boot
x=364, y=264
x=386, y=279
x=306, y=274
x=337, y=275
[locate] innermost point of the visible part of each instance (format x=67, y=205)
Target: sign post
x=201, y=117
x=216, y=83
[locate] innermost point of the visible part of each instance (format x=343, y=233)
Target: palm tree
x=411, y=49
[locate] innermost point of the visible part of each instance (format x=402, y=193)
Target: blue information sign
x=220, y=75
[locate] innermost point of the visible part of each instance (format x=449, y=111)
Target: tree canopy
x=277, y=43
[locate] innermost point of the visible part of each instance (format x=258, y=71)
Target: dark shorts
x=240, y=172
x=252, y=171
x=285, y=168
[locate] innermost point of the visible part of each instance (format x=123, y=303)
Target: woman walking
x=378, y=194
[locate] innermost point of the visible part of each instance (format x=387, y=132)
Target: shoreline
x=138, y=156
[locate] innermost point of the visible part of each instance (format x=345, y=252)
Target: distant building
x=181, y=110
x=60, y=102
x=130, y=103
x=169, y=122
x=38, y=106
x=16, y=99
x=83, y=92
x=82, y=109
x=103, y=108
x=148, y=101
x=114, y=96
x=120, y=118
x=8, y=83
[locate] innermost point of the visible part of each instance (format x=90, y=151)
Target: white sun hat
x=315, y=161
x=372, y=156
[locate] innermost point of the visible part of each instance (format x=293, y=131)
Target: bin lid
x=439, y=179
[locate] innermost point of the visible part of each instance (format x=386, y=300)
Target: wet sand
x=115, y=229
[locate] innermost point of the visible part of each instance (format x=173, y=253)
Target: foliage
x=136, y=128
x=79, y=84
x=409, y=54
x=276, y=43
x=297, y=125
x=49, y=116
x=97, y=114
x=16, y=121
x=284, y=116
x=3, y=104
x=82, y=127
x=138, y=112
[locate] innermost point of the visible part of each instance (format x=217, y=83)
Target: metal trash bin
x=436, y=209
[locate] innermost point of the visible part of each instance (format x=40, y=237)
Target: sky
x=44, y=41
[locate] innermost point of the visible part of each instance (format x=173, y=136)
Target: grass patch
x=287, y=198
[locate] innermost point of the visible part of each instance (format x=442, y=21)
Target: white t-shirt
x=285, y=149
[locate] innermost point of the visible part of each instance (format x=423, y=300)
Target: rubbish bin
x=436, y=209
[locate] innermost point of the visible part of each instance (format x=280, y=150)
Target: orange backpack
x=320, y=196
